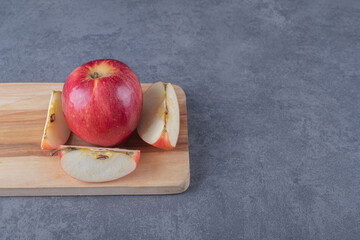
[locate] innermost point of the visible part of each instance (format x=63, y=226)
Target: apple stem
x=95, y=75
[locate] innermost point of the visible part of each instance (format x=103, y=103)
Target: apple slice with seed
x=160, y=118
x=56, y=130
x=93, y=164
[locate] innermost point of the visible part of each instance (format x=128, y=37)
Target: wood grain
x=26, y=170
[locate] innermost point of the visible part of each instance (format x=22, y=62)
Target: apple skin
x=102, y=102
x=46, y=145
x=163, y=142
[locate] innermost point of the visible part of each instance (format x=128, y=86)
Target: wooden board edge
x=98, y=191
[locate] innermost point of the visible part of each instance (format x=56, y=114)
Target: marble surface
x=273, y=95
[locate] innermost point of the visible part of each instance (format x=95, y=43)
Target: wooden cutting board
x=26, y=170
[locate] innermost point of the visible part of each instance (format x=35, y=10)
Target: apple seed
x=52, y=117
x=102, y=157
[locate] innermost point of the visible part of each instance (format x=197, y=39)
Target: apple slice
x=56, y=131
x=93, y=164
x=160, y=118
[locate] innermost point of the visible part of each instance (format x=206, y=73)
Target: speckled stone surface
x=273, y=93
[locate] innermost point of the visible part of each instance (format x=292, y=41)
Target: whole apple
x=102, y=102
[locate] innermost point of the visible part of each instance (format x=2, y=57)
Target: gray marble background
x=273, y=95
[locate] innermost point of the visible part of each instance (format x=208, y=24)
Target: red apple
x=102, y=102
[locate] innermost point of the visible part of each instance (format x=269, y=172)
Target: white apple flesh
x=160, y=118
x=56, y=130
x=92, y=164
